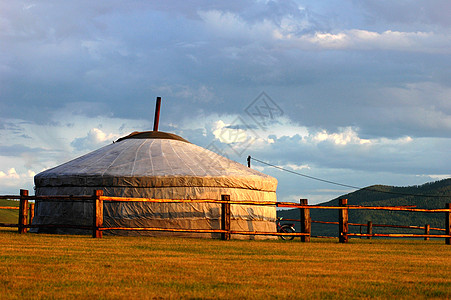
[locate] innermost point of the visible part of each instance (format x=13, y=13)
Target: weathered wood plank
x=427, y=228
x=448, y=224
x=97, y=215
x=301, y=234
x=8, y=225
x=61, y=226
x=401, y=235
x=164, y=229
x=343, y=229
x=10, y=197
x=369, y=229
x=305, y=221
x=225, y=217
x=23, y=211
x=31, y=213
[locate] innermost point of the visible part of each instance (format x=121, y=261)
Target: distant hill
x=380, y=195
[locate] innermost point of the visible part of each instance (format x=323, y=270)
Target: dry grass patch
x=55, y=266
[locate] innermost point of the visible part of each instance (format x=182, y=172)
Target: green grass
x=9, y=216
x=57, y=266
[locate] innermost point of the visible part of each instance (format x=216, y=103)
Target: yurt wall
x=157, y=165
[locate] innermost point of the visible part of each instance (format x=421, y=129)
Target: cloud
x=439, y=177
x=11, y=178
x=237, y=134
x=345, y=149
x=346, y=136
x=94, y=138
x=201, y=94
x=229, y=25
x=298, y=31
x=19, y=149
x=407, y=12
x=315, y=148
x=11, y=174
x=32, y=146
x=296, y=167
x=363, y=86
x=359, y=39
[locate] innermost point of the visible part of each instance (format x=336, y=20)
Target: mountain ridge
x=429, y=196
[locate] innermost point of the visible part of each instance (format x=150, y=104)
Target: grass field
x=9, y=216
x=56, y=266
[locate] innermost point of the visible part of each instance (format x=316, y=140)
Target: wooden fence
x=343, y=223
x=26, y=211
x=369, y=225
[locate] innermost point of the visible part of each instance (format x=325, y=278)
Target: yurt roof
x=154, y=159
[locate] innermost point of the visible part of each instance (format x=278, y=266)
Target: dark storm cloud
x=411, y=13
x=378, y=67
x=396, y=156
x=101, y=60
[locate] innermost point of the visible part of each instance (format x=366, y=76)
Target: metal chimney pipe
x=157, y=114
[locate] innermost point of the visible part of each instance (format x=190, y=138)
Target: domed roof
x=154, y=159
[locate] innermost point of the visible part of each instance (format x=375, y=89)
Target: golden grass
x=56, y=266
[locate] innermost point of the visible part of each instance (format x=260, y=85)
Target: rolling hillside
x=379, y=195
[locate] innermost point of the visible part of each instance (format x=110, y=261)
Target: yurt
x=155, y=164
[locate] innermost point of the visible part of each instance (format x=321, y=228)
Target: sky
x=354, y=92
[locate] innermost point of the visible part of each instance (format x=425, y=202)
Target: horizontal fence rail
x=366, y=225
x=26, y=213
x=399, y=235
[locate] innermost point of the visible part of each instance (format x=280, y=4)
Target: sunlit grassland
x=9, y=216
x=57, y=266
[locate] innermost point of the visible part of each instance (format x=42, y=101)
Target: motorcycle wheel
x=287, y=229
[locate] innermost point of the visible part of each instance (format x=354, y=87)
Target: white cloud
x=230, y=135
x=346, y=136
x=11, y=173
x=296, y=167
x=12, y=179
x=31, y=148
x=359, y=39
x=93, y=139
x=296, y=32
x=439, y=176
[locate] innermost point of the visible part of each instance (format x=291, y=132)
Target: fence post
x=97, y=214
x=23, y=214
x=448, y=224
x=225, y=218
x=427, y=228
x=343, y=221
x=305, y=221
x=369, y=229
x=31, y=212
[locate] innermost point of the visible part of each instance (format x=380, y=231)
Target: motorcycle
x=285, y=228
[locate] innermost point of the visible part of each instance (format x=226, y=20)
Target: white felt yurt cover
x=157, y=165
